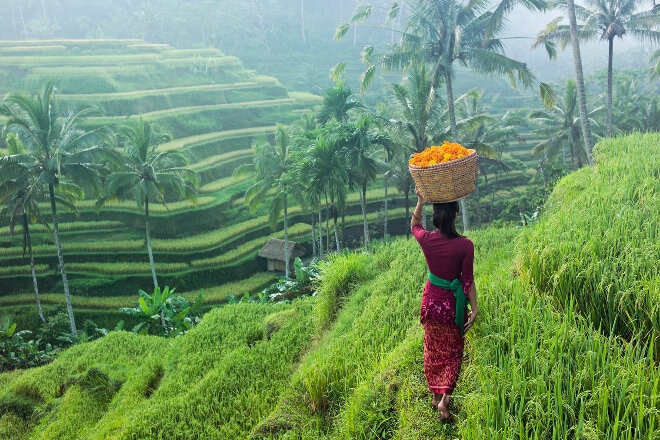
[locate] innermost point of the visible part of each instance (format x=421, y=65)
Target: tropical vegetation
x=566, y=346
x=149, y=175
x=543, y=360
x=60, y=155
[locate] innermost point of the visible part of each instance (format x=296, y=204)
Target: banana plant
x=162, y=313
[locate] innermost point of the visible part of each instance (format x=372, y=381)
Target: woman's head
x=444, y=218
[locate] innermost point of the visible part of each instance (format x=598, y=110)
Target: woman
x=449, y=257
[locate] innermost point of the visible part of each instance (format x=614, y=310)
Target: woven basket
x=448, y=181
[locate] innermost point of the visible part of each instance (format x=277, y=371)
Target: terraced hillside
x=212, y=106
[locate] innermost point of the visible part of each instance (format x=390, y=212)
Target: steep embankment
x=347, y=363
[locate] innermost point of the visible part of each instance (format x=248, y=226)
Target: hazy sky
x=524, y=25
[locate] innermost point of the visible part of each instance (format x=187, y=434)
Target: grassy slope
x=347, y=364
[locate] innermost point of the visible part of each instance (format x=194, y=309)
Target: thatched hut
x=273, y=252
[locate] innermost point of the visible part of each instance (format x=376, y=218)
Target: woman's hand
x=420, y=198
x=417, y=212
x=471, y=317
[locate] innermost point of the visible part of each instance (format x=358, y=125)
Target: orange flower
x=439, y=154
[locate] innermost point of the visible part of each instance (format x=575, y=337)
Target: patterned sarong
x=443, y=354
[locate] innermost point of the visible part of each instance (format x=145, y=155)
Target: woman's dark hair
x=444, y=218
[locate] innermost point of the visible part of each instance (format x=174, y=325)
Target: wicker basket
x=448, y=181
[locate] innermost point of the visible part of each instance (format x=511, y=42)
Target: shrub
x=16, y=353
x=163, y=313
x=302, y=285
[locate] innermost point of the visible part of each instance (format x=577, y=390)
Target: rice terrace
x=155, y=175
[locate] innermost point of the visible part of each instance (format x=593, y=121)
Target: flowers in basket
x=436, y=154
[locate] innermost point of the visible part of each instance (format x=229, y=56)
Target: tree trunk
x=334, y=220
x=385, y=208
x=286, y=242
x=582, y=99
x=327, y=225
x=28, y=243
x=60, y=259
x=452, y=107
x=302, y=21
x=610, y=57
x=148, y=235
x=478, y=201
x=313, y=235
x=320, y=233
x=454, y=135
x=363, y=203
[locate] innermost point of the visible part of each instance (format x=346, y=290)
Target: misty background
x=292, y=40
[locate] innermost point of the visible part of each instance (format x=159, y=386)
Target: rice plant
x=596, y=245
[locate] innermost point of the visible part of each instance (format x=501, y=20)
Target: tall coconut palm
x=579, y=76
x=396, y=170
x=64, y=154
x=419, y=106
x=272, y=167
x=19, y=190
x=304, y=134
x=606, y=20
x=362, y=142
x=559, y=128
x=148, y=175
x=443, y=33
x=488, y=135
x=327, y=175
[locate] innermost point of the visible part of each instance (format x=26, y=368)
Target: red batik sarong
x=443, y=354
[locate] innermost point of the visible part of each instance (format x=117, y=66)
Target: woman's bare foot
x=445, y=415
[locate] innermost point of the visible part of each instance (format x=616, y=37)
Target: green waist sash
x=459, y=294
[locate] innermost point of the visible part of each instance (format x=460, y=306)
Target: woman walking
x=449, y=257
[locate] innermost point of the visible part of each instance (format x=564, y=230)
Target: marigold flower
x=435, y=154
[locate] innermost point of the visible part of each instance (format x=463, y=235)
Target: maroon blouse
x=447, y=258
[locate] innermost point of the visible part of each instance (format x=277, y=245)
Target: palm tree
x=338, y=102
x=635, y=105
x=327, y=175
x=419, y=106
x=64, y=154
x=559, y=128
x=272, y=167
x=655, y=65
x=148, y=175
x=444, y=32
x=304, y=134
x=18, y=192
x=606, y=20
x=486, y=134
x=360, y=145
x=398, y=173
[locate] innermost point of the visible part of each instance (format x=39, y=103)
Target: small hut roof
x=274, y=249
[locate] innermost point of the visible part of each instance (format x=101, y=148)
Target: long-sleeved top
x=447, y=258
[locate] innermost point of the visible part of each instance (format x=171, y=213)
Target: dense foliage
x=347, y=363
x=557, y=255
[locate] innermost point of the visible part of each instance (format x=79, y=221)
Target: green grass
x=347, y=363
x=614, y=265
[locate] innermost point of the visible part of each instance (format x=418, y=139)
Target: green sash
x=459, y=294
